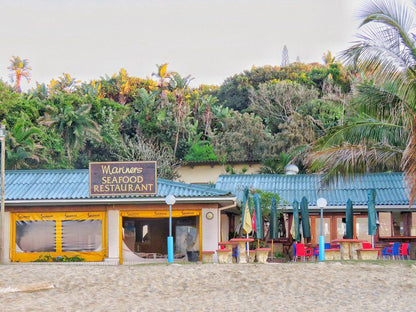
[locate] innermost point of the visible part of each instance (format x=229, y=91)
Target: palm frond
x=409, y=164
x=346, y=160
x=366, y=131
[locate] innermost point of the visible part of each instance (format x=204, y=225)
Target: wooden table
x=242, y=251
x=349, y=248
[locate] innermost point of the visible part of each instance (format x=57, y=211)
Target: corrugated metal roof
x=390, y=187
x=74, y=184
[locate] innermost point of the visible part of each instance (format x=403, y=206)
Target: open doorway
x=147, y=237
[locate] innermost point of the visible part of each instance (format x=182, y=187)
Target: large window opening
x=37, y=236
x=147, y=237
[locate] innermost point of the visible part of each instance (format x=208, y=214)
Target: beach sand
x=328, y=286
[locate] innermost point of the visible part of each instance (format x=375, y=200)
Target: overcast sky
x=208, y=39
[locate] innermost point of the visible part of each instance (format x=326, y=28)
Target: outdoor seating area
x=235, y=251
x=351, y=249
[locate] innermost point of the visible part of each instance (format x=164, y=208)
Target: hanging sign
x=123, y=178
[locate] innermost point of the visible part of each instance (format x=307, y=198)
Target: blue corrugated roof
x=390, y=187
x=74, y=184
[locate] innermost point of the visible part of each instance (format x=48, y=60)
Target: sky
x=207, y=39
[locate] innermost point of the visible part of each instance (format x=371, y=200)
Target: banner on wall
x=123, y=178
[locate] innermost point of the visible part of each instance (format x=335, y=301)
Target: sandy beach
x=329, y=286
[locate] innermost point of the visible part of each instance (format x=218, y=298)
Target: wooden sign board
x=123, y=178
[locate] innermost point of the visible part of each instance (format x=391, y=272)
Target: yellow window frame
x=58, y=217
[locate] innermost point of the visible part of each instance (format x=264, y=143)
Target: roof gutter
x=228, y=207
x=111, y=201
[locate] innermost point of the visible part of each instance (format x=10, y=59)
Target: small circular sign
x=209, y=215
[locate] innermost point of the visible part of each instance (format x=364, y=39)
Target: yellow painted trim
x=30, y=257
x=120, y=237
x=33, y=216
x=58, y=236
x=160, y=213
x=12, y=235
x=58, y=217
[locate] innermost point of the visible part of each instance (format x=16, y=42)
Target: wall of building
x=204, y=174
x=210, y=229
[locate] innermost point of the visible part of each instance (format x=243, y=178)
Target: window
x=35, y=236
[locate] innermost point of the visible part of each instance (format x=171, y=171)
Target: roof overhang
x=222, y=201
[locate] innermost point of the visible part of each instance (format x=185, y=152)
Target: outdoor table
x=349, y=248
x=368, y=253
x=242, y=251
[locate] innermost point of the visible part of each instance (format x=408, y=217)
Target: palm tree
x=73, y=122
x=20, y=68
x=23, y=151
x=384, y=135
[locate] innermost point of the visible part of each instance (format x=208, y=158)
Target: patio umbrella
x=274, y=227
x=372, y=215
x=259, y=217
x=295, y=224
x=246, y=221
x=246, y=218
x=306, y=227
x=349, y=220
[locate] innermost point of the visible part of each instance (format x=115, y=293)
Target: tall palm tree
x=21, y=69
x=385, y=137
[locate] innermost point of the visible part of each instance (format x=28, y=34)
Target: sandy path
x=213, y=287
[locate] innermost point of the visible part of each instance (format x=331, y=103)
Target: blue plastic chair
x=392, y=251
x=316, y=249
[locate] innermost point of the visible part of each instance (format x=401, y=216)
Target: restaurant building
x=52, y=214
x=396, y=218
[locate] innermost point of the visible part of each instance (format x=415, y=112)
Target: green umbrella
x=372, y=215
x=274, y=227
x=259, y=217
x=306, y=227
x=295, y=224
x=349, y=220
x=273, y=220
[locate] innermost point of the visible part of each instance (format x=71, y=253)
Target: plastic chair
x=302, y=252
x=316, y=251
x=392, y=251
x=367, y=245
x=404, y=250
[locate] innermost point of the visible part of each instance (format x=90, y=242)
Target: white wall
x=113, y=235
x=210, y=230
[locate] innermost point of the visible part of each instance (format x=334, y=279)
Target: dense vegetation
x=272, y=114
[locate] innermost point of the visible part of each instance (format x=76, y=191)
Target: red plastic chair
x=404, y=250
x=303, y=252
